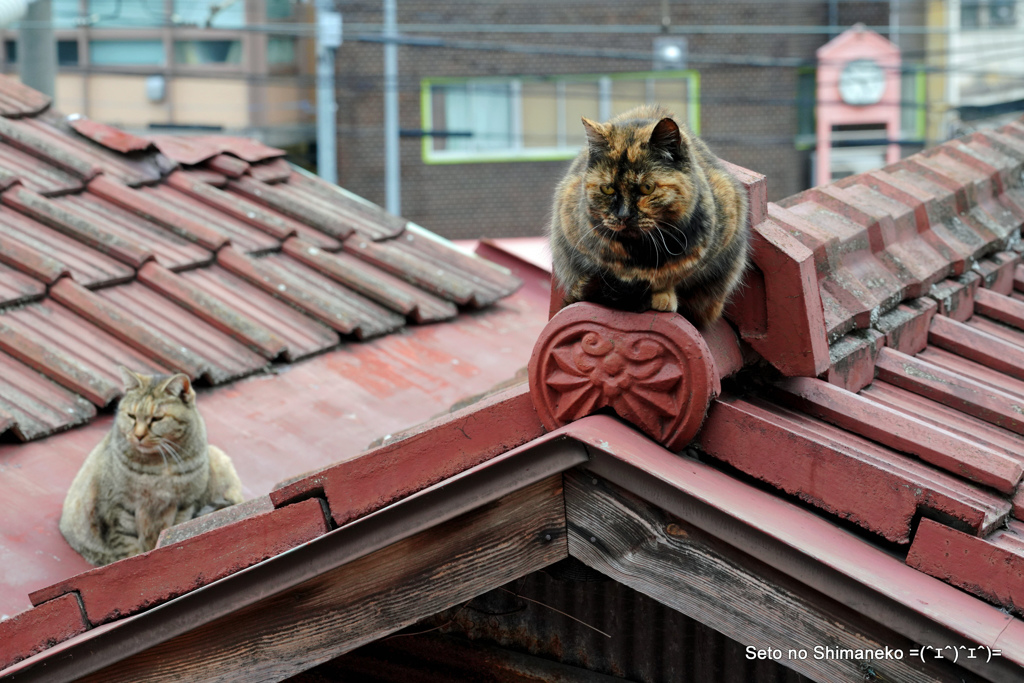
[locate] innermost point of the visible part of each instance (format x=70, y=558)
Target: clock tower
x=858, y=85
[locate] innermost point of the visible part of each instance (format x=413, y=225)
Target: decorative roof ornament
x=652, y=369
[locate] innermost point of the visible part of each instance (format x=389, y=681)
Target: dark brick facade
x=748, y=113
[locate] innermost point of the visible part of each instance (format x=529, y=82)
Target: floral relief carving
x=651, y=369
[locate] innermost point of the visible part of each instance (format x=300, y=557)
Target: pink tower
x=858, y=83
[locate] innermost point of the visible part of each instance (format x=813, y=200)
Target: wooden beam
x=365, y=599
x=694, y=573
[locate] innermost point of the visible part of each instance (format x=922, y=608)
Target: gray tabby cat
x=151, y=471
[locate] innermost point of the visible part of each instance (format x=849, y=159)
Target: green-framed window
x=470, y=120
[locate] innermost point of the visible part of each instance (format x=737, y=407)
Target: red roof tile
x=334, y=223
x=272, y=171
x=95, y=206
x=132, y=170
x=45, y=253
x=312, y=293
x=120, y=245
x=240, y=209
x=39, y=142
x=450, y=274
x=17, y=99
x=70, y=350
x=108, y=136
x=302, y=335
x=227, y=165
x=385, y=289
x=219, y=357
x=35, y=174
x=169, y=250
x=32, y=405
x=195, y=149
x=189, y=224
x=16, y=287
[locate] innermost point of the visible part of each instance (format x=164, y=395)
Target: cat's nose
x=623, y=213
x=140, y=430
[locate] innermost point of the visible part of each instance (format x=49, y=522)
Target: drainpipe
x=37, y=52
x=328, y=40
x=392, y=161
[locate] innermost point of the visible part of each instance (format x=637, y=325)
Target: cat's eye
x=608, y=189
x=156, y=418
x=131, y=416
x=646, y=188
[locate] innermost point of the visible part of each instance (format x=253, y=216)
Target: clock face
x=861, y=82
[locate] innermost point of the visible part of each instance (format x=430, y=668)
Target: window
x=509, y=119
x=110, y=13
x=207, y=52
x=67, y=52
x=279, y=9
x=281, y=50
x=209, y=13
x=66, y=13
x=126, y=52
x=977, y=14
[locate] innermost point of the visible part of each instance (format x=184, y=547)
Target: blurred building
x=233, y=66
x=976, y=59
x=491, y=94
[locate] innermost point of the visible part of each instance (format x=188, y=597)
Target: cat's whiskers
x=675, y=235
x=172, y=450
x=163, y=457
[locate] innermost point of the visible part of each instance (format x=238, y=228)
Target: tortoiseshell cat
x=151, y=471
x=647, y=217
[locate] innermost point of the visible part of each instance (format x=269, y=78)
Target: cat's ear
x=131, y=379
x=596, y=135
x=667, y=139
x=180, y=387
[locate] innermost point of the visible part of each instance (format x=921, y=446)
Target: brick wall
x=748, y=114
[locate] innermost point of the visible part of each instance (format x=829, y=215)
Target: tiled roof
x=208, y=255
x=887, y=304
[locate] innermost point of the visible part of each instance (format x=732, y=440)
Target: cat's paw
x=664, y=301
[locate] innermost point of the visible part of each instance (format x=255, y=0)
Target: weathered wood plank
x=366, y=599
x=683, y=568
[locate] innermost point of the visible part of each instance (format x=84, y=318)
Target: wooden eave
x=751, y=565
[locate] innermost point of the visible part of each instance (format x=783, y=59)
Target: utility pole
x=392, y=161
x=37, y=53
x=328, y=40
